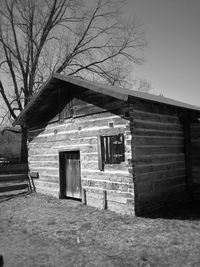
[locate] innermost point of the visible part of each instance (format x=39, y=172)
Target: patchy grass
x=37, y=230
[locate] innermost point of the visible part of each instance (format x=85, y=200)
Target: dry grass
x=37, y=230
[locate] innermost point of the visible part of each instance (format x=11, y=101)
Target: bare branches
x=2, y=91
x=81, y=38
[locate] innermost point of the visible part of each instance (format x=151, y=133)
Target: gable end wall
x=81, y=132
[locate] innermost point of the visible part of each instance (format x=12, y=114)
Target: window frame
x=111, y=150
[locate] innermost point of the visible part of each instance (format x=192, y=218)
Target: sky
x=172, y=29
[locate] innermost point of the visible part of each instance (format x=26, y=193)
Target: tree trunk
x=24, y=149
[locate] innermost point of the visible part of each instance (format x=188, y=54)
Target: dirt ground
x=38, y=230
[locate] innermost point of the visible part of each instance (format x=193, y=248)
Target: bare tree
x=143, y=86
x=82, y=38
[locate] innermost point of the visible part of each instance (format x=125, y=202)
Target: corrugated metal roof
x=114, y=91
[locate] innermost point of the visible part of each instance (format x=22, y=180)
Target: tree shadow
x=183, y=211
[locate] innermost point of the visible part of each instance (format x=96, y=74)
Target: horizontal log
x=55, y=157
x=41, y=163
x=45, y=171
x=196, y=168
x=71, y=126
x=158, y=167
x=110, y=178
x=195, y=133
x=107, y=175
x=46, y=184
x=195, y=161
x=159, y=158
x=156, y=117
x=152, y=150
x=119, y=197
x=13, y=177
x=13, y=168
x=93, y=165
x=122, y=187
x=48, y=178
x=175, y=181
x=160, y=175
x=59, y=139
x=169, y=192
x=195, y=126
x=92, y=132
x=18, y=186
x=195, y=144
x=62, y=125
x=195, y=151
x=158, y=141
x=44, y=157
x=62, y=147
x=156, y=132
x=157, y=125
x=153, y=186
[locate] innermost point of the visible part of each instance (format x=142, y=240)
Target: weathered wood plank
x=17, y=186
x=157, y=125
x=13, y=177
x=160, y=175
x=156, y=117
x=158, y=167
x=169, y=191
x=151, y=150
x=159, y=158
x=82, y=133
x=158, y=141
x=154, y=186
x=13, y=168
x=157, y=132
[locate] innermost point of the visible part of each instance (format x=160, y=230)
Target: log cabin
x=110, y=147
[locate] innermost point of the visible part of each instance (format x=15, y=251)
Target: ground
x=38, y=230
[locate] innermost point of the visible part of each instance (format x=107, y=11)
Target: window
x=111, y=150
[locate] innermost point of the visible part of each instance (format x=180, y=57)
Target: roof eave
x=19, y=119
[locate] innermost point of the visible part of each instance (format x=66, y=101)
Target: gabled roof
x=114, y=91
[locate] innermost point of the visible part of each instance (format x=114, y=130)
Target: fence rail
x=13, y=177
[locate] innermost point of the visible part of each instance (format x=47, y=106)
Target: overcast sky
x=173, y=53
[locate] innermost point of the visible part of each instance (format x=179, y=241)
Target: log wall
x=92, y=114
x=158, y=156
x=195, y=153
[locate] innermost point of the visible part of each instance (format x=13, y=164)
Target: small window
x=111, y=150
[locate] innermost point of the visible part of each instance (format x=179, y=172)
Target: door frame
x=62, y=181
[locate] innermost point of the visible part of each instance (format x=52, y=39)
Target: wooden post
x=188, y=161
x=84, y=199
x=105, y=206
x=100, y=154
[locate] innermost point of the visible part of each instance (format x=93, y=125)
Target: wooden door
x=71, y=174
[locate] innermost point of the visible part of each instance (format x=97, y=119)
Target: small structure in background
x=110, y=147
x=13, y=173
x=10, y=145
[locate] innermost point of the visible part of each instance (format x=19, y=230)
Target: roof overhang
x=113, y=91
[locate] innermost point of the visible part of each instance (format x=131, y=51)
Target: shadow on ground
x=184, y=211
